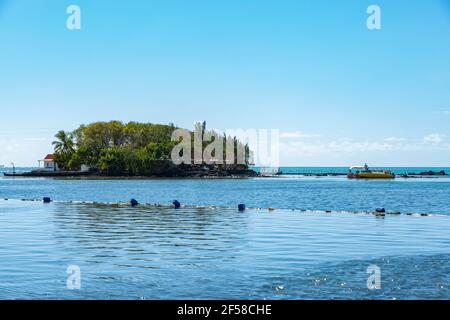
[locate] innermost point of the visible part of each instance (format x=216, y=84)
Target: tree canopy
x=116, y=148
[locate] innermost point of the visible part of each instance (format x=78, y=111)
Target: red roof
x=49, y=157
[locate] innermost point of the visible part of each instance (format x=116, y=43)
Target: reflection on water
x=156, y=253
x=328, y=193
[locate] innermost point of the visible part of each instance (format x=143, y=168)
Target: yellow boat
x=363, y=172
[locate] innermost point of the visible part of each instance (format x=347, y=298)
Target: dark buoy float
x=176, y=204
x=380, y=210
x=241, y=207
x=134, y=202
x=46, y=200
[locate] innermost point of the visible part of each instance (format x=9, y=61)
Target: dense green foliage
x=115, y=148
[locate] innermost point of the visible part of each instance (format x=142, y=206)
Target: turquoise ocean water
x=344, y=170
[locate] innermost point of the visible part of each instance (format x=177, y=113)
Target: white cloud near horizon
x=349, y=151
x=23, y=152
x=37, y=139
x=434, y=138
x=395, y=139
x=297, y=134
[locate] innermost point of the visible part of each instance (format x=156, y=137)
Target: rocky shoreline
x=199, y=171
x=426, y=174
x=183, y=171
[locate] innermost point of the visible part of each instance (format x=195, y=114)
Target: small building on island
x=49, y=163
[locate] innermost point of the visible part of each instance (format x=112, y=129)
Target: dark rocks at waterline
x=430, y=173
x=158, y=169
x=51, y=174
x=425, y=173
x=168, y=169
x=205, y=171
x=433, y=173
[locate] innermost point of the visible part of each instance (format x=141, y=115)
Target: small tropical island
x=134, y=149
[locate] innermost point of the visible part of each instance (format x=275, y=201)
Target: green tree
x=112, y=161
x=65, y=143
x=64, y=148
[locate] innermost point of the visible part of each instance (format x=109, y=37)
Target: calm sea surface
x=162, y=253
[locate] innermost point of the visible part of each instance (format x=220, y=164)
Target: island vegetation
x=136, y=149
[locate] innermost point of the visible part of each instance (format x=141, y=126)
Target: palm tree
x=65, y=143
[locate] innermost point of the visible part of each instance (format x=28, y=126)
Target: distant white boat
x=269, y=171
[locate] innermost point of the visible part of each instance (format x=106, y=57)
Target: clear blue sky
x=340, y=93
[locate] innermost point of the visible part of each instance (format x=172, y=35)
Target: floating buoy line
x=133, y=203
